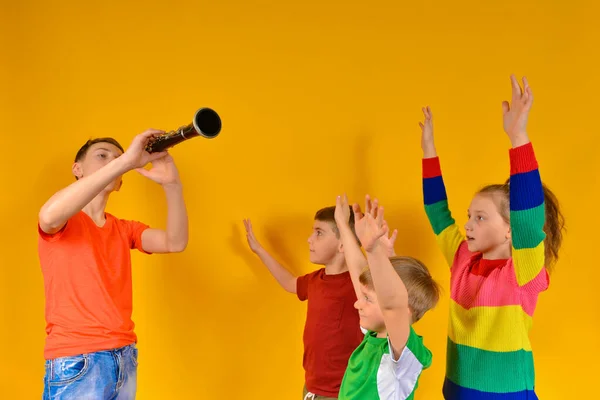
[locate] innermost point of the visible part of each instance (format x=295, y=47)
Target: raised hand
x=370, y=226
x=427, y=142
x=372, y=207
x=252, y=242
x=516, y=113
x=342, y=210
x=389, y=242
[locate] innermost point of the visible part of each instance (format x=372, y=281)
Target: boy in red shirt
x=332, y=328
x=85, y=259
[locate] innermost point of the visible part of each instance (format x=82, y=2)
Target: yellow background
x=317, y=98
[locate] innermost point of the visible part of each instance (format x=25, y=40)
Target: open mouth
x=470, y=238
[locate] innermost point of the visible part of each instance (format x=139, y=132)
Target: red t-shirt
x=87, y=284
x=332, y=330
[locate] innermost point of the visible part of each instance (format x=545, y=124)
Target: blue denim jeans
x=102, y=375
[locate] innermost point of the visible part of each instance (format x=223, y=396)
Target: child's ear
x=340, y=247
x=76, y=169
x=411, y=316
x=508, y=234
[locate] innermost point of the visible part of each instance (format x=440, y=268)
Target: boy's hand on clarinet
x=252, y=242
x=136, y=155
x=427, y=142
x=163, y=171
x=515, y=114
x=387, y=242
x=370, y=226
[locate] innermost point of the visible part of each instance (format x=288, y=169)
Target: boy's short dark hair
x=84, y=149
x=327, y=214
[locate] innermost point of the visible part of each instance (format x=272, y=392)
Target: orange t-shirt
x=87, y=284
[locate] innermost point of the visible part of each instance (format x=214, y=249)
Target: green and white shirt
x=372, y=372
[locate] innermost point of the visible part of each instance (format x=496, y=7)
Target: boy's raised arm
x=389, y=288
x=284, y=277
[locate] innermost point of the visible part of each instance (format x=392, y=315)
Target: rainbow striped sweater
x=492, y=302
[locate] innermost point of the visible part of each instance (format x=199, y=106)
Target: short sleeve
x=414, y=359
x=51, y=237
x=134, y=231
x=302, y=287
x=73, y=224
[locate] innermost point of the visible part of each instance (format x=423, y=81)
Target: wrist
x=173, y=186
x=377, y=252
x=123, y=165
x=375, y=248
x=519, y=139
x=343, y=226
x=260, y=251
x=429, y=151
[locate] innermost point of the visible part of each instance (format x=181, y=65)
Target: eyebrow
x=478, y=211
x=105, y=149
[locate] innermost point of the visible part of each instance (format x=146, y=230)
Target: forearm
x=429, y=150
x=284, y=277
x=519, y=140
x=70, y=200
x=390, y=290
x=527, y=213
x=177, y=218
x=355, y=259
x=435, y=199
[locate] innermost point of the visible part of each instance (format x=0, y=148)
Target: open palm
x=370, y=226
x=515, y=114
x=252, y=242
x=426, y=128
x=372, y=207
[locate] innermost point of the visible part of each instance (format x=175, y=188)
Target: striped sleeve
x=447, y=233
x=527, y=214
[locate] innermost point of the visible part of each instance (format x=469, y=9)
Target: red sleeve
x=522, y=159
x=302, y=286
x=51, y=237
x=134, y=232
x=431, y=167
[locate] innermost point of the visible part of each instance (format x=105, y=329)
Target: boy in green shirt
x=393, y=293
